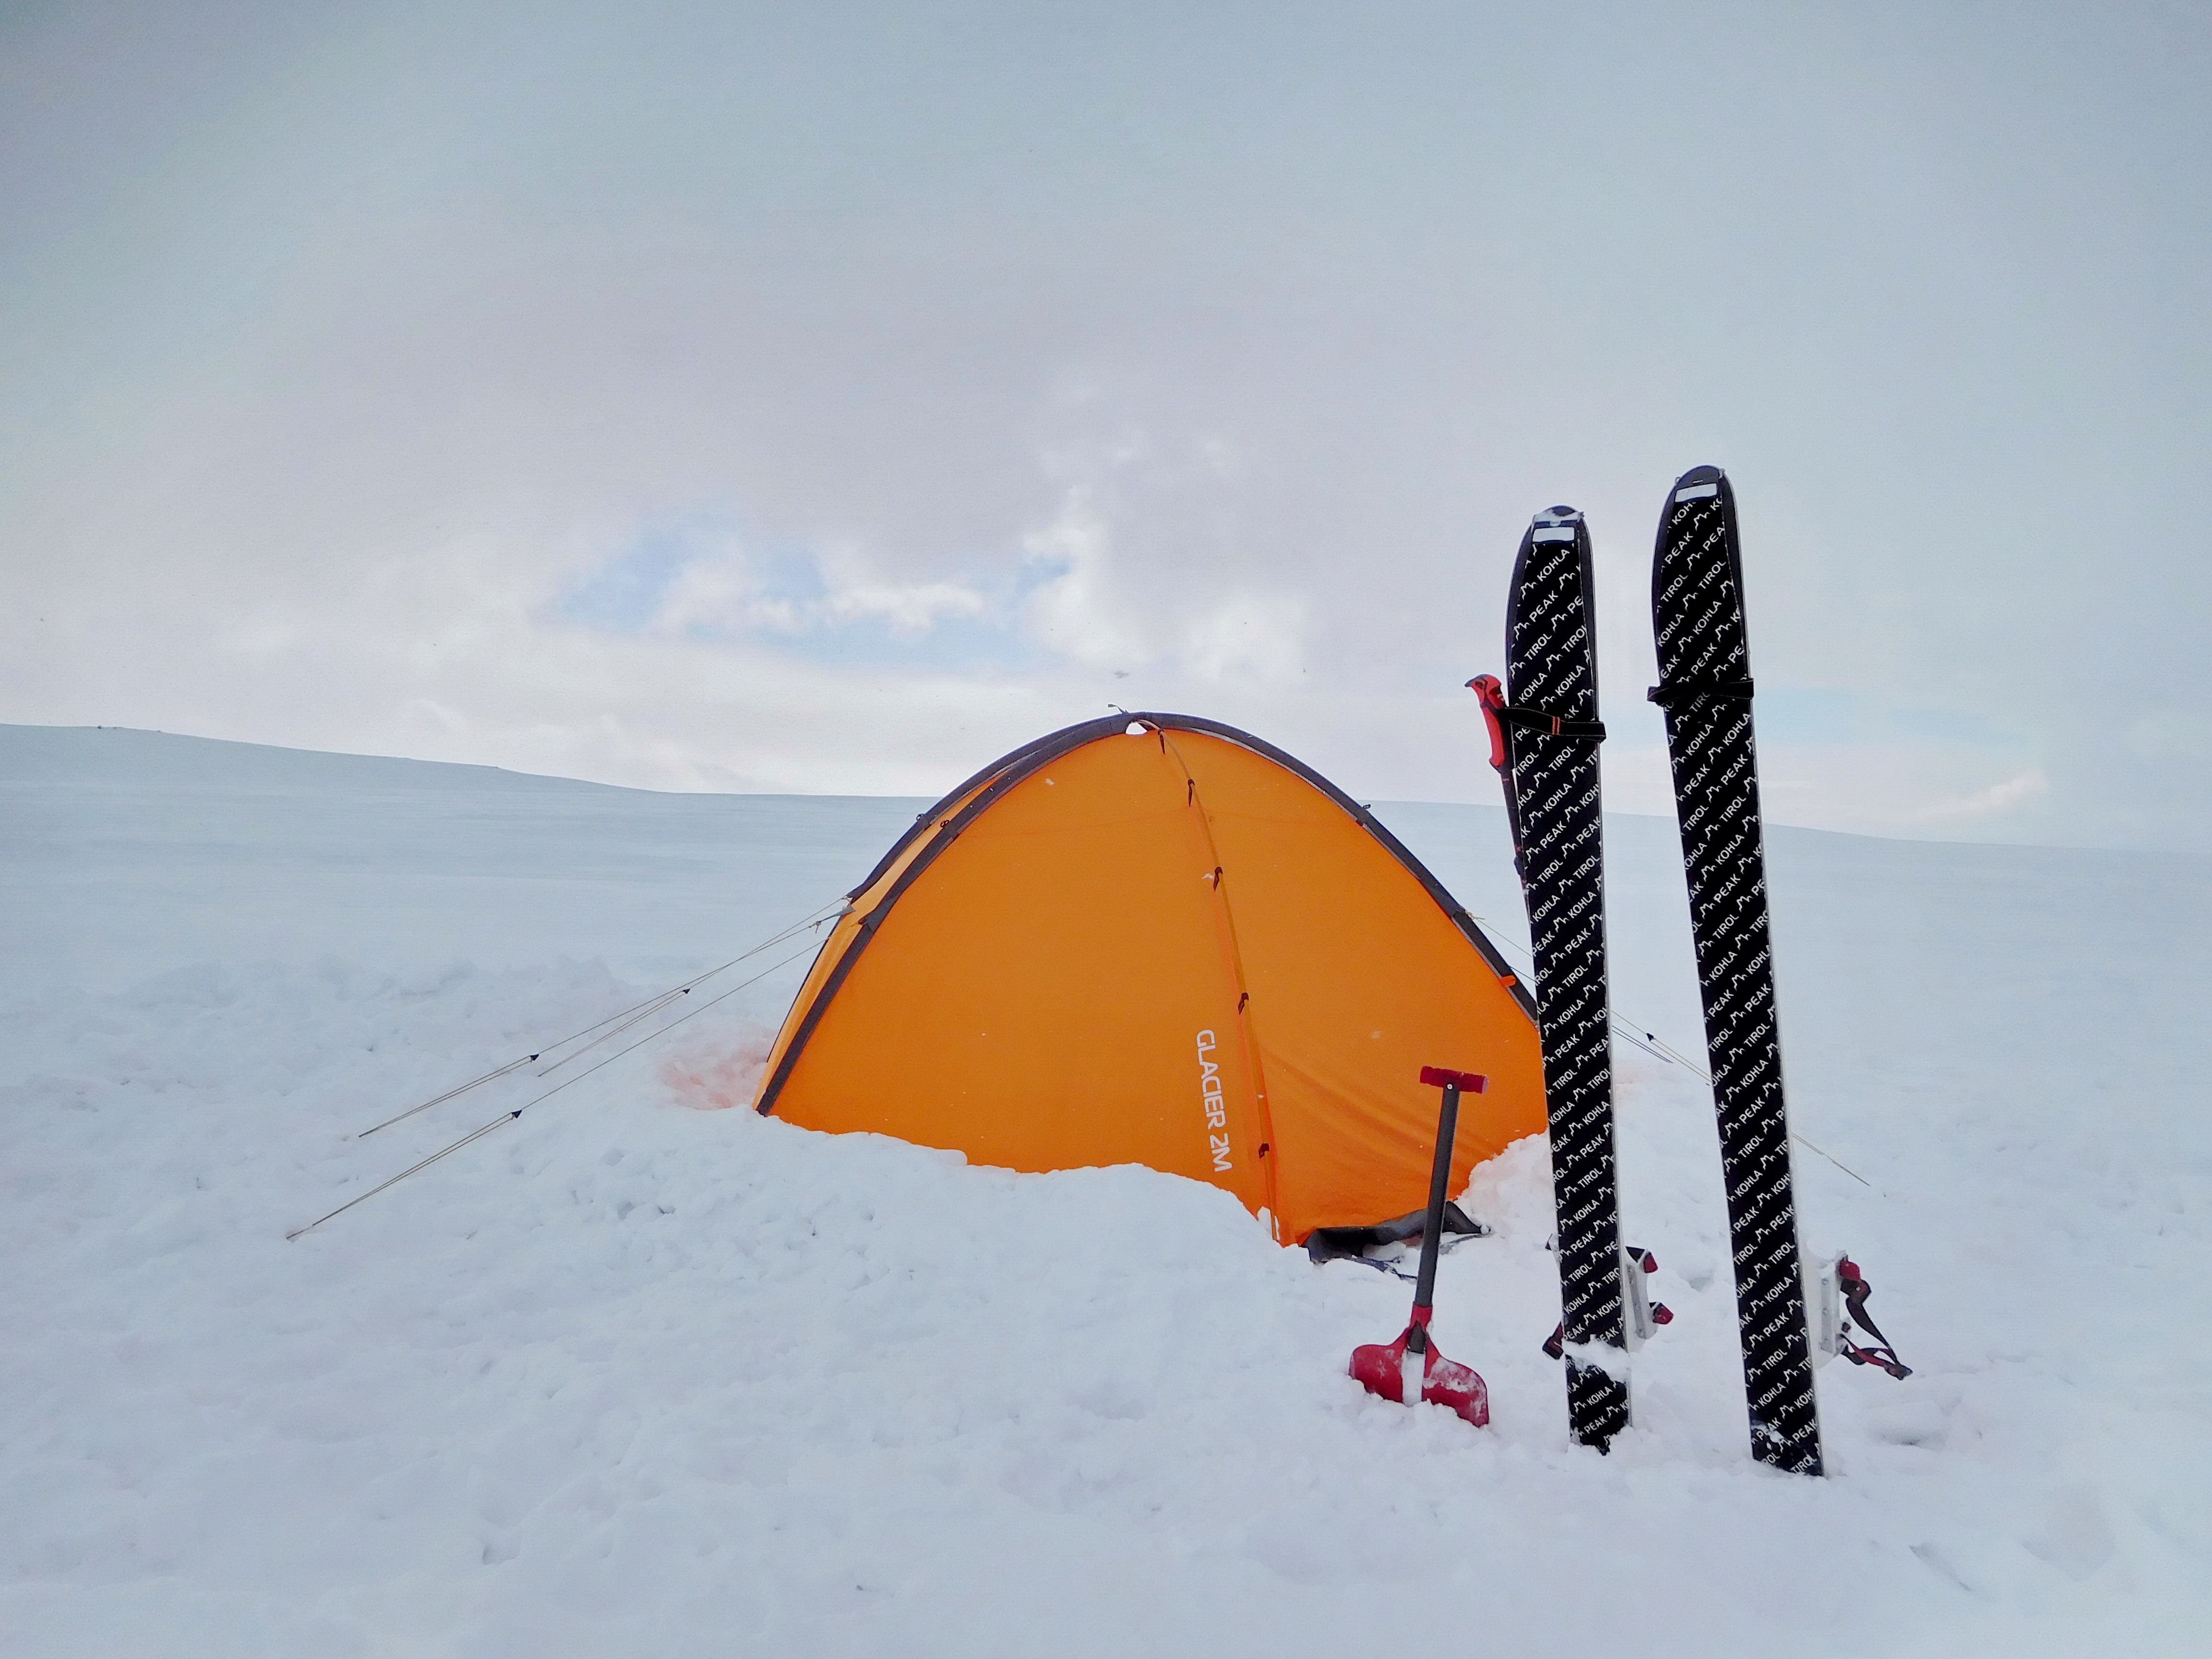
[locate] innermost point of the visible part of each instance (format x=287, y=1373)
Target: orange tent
x=1155, y=939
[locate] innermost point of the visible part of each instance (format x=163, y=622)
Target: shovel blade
x=1379, y=1367
x=1457, y=1388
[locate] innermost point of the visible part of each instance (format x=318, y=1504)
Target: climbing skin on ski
x=1543, y=741
x=1705, y=688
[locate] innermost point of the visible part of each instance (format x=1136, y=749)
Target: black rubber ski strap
x=1669, y=696
x=1856, y=1291
x=1535, y=719
x=1501, y=713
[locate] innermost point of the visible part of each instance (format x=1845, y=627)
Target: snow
x=635, y=1373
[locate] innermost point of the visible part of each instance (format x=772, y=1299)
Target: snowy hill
x=632, y=1373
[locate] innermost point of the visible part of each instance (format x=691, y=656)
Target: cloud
x=1260, y=636
x=725, y=398
x=707, y=586
x=910, y=610
x=2001, y=797
x=1075, y=611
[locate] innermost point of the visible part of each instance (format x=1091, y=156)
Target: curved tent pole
x=924, y=822
x=1459, y=914
x=1037, y=754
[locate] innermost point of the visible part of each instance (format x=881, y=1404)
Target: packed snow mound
x=634, y=1373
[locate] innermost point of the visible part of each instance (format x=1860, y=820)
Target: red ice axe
x=1411, y=1367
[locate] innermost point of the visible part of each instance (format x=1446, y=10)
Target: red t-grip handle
x=1470, y=1083
x=1492, y=696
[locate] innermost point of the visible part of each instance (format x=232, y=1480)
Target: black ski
x=1544, y=740
x=1704, y=686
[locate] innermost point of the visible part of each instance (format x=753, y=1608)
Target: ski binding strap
x=1831, y=1285
x=1644, y=1316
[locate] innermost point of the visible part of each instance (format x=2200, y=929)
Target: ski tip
x=1555, y=524
x=1698, y=480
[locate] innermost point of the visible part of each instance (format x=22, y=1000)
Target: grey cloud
x=340, y=346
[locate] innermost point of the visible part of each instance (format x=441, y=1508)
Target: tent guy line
x=628, y=1016
x=1659, y=1048
x=613, y=1032
x=509, y=1117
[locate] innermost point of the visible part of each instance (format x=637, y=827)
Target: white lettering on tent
x=1210, y=1097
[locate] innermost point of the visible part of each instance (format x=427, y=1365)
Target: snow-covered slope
x=131, y=853
x=630, y=1373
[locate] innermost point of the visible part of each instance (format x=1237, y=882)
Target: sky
x=829, y=399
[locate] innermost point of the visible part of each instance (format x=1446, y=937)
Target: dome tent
x=1154, y=939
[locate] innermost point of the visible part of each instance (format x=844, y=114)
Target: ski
x=1705, y=688
x=1544, y=734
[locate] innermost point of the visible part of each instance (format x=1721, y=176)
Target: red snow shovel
x=1411, y=1367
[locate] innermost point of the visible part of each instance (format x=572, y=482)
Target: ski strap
x=1535, y=719
x=1501, y=713
x=1674, y=694
x=1856, y=1291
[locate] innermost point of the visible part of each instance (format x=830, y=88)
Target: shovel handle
x=1425, y=1287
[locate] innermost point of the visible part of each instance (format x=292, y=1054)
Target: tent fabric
x=1154, y=939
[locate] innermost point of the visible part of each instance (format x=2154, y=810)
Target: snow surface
x=633, y=1374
